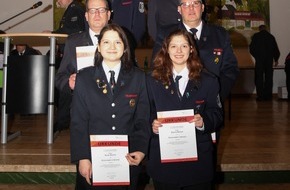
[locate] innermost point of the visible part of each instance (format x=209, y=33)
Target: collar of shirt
x=199, y=28
x=116, y=69
x=21, y=53
x=184, y=80
x=93, y=37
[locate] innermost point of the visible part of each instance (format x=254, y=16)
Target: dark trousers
x=81, y=183
x=63, y=111
x=264, y=80
x=167, y=186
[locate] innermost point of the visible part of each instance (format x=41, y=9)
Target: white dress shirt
x=93, y=37
x=107, y=70
x=184, y=79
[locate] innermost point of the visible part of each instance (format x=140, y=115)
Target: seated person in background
x=1, y=43
x=24, y=49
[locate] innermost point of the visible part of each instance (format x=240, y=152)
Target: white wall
x=280, y=25
x=32, y=21
x=280, y=28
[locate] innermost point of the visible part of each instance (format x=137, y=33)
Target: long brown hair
x=125, y=59
x=163, y=65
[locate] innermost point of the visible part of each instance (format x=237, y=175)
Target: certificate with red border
x=177, y=137
x=109, y=165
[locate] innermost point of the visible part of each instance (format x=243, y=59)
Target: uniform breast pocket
x=199, y=106
x=217, y=54
x=131, y=100
x=211, y=59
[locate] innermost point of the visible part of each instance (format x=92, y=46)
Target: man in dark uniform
x=73, y=21
x=264, y=49
x=131, y=16
x=97, y=19
x=213, y=43
x=161, y=13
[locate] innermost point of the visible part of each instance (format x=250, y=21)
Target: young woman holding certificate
x=110, y=100
x=185, y=109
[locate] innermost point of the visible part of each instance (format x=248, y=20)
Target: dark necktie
x=177, y=86
x=97, y=36
x=21, y=54
x=195, y=40
x=194, y=31
x=112, y=81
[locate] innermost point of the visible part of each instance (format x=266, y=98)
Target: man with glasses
x=213, y=43
x=97, y=15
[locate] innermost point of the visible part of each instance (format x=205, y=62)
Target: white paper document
x=85, y=56
x=177, y=136
x=213, y=137
x=109, y=165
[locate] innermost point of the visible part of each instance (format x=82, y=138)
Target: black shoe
x=259, y=99
x=59, y=128
x=55, y=129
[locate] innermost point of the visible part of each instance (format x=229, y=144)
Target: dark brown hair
x=163, y=65
x=125, y=59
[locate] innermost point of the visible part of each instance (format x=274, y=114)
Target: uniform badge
x=132, y=102
x=141, y=7
x=102, y=85
x=74, y=19
x=217, y=51
x=216, y=60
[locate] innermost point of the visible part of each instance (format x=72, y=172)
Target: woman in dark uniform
x=105, y=104
x=198, y=90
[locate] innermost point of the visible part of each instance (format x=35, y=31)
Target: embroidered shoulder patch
x=73, y=19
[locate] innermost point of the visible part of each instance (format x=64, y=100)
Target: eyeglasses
x=97, y=10
x=193, y=3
